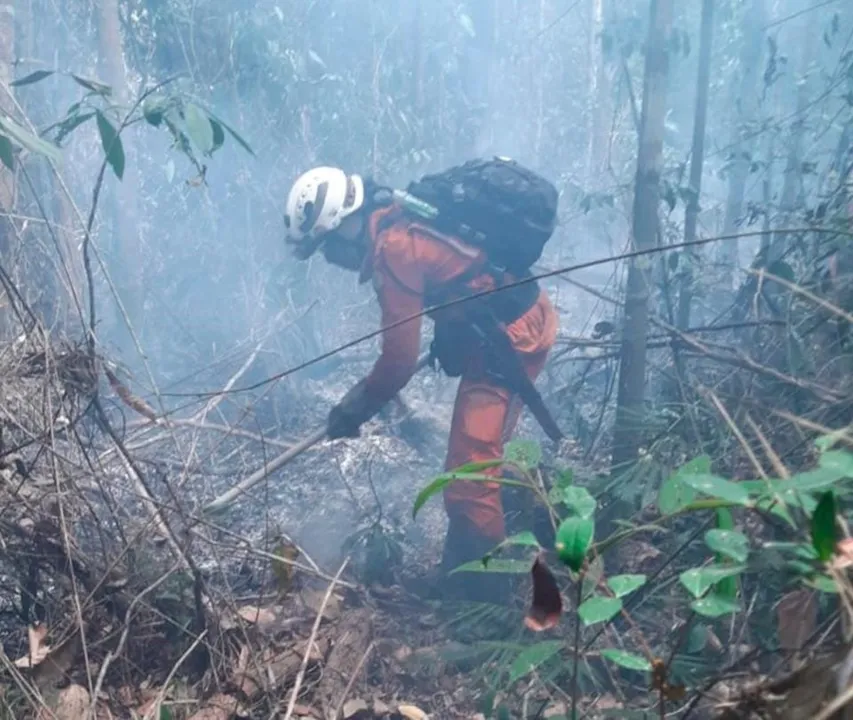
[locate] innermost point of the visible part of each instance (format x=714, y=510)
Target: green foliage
x=698, y=581
x=732, y=544
x=574, y=537
x=823, y=526
x=623, y=585
x=675, y=494
x=524, y=453
x=599, y=609
x=111, y=142
x=627, y=660
x=532, y=657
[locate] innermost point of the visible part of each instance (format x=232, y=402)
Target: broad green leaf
x=474, y=467
x=564, y=478
x=782, y=270
x=199, y=129
x=674, y=494
x=731, y=543
x=525, y=538
x=823, y=526
x=697, y=638
x=7, y=154
x=111, y=142
x=820, y=478
x=93, y=85
x=718, y=487
x=623, y=585
x=27, y=140
x=599, y=609
x=822, y=583
x=714, y=606
x=839, y=461
x=445, y=479
x=497, y=565
x=574, y=536
x=233, y=133
x=531, y=658
x=698, y=581
x=524, y=453
x=579, y=500
x=71, y=123
x=33, y=77
x=626, y=659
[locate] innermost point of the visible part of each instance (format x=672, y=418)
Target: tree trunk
x=746, y=105
x=127, y=268
x=476, y=80
x=597, y=98
x=632, y=374
x=697, y=158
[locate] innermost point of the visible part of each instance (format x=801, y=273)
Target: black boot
x=464, y=544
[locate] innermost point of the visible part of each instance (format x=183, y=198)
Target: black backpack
x=497, y=205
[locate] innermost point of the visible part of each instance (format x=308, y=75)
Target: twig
x=301, y=675
x=162, y=694
x=735, y=430
x=112, y=654
x=352, y=678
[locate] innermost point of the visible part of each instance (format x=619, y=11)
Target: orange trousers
x=484, y=418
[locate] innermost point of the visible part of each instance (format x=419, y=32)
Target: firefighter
x=358, y=225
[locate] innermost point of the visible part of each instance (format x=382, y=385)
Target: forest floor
x=121, y=600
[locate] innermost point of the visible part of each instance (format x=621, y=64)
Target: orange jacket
x=409, y=261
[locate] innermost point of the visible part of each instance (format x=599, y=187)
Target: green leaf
x=819, y=478
x=153, y=110
x=714, y=606
x=783, y=270
x=525, y=538
x=199, y=129
x=731, y=543
x=674, y=494
x=218, y=136
x=697, y=638
x=7, y=154
x=497, y=565
x=822, y=583
x=579, y=500
x=33, y=77
x=531, y=658
x=473, y=467
x=524, y=453
x=28, y=141
x=626, y=659
x=839, y=461
x=111, y=143
x=623, y=585
x=574, y=536
x=823, y=526
x=564, y=478
x=233, y=133
x=71, y=123
x=698, y=581
x=96, y=87
x=718, y=487
x=599, y=609
x=448, y=478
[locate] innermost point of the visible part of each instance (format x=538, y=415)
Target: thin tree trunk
x=746, y=104
x=697, y=159
x=631, y=395
x=126, y=250
x=596, y=114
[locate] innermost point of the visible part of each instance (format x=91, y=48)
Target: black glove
x=347, y=416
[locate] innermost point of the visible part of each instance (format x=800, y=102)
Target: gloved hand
x=346, y=418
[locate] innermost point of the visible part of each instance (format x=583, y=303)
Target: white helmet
x=318, y=202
